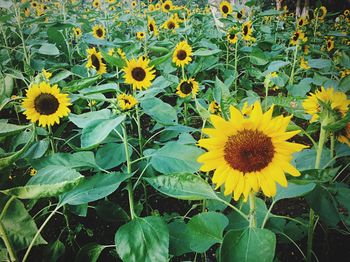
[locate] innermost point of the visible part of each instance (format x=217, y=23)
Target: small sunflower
x=298, y=36
x=249, y=153
x=306, y=49
x=138, y=73
x=96, y=61
x=182, y=54
x=126, y=102
x=111, y=51
x=187, y=87
x=167, y=6
x=151, y=25
x=247, y=31
x=26, y=12
x=214, y=108
x=96, y=3
x=99, y=31
x=34, y=4
x=133, y=4
x=232, y=37
x=240, y=14
x=337, y=102
x=151, y=7
x=171, y=24
x=302, y=21
x=347, y=12
x=140, y=35
x=46, y=104
x=304, y=64
x=77, y=32
x=225, y=8
x=330, y=44
x=323, y=14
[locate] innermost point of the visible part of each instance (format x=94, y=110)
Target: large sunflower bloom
x=152, y=26
x=96, y=61
x=337, y=101
x=138, y=73
x=249, y=153
x=182, y=54
x=167, y=6
x=225, y=8
x=99, y=32
x=46, y=104
x=247, y=31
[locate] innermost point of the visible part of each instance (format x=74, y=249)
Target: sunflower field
x=174, y=130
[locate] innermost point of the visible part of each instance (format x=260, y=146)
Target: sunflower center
x=181, y=54
x=296, y=36
x=99, y=32
x=186, y=87
x=167, y=7
x=95, y=62
x=329, y=44
x=138, y=73
x=239, y=15
x=225, y=9
x=46, y=104
x=245, y=30
x=151, y=28
x=171, y=25
x=232, y=36
x=301, y=22
x=249, y=151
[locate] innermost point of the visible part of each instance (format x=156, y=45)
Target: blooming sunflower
x=240, y=14
x=96, y=61
x=232, y=37
x=301, y=22
x=337, y=101
x=151, y=25
x=323, y=14
x=347, y=12
x=297, y=37
x=126, y=102
x=46, y=104
x=187, y=87
x=151, y=7
x=249, y=153
x=171, y=24
x=133, y=4
x=225, y=8
x=99, y=31
x=330, y=44
x=214, y=108
x=138, y=73
x=77, y=32
x=167, y=6
x=247, y=31
x=96, y=3
x=34, y=4
x=46, y=74
x=304, y=64
x=182, y=54
x=140, y=35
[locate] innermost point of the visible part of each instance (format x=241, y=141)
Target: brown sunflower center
x=151, y=27
x=239, y=15
x=225, y=9
x=245, y=30
x=181, y=54
x=126, y=101
x=99, y=32
x=95, y=62
x=167, y=6
x=301, y=22
x=138, y=73
x=171, y=25
x=232, y=36
x=296, y=36
x=249, y=151
x=46, y=104
x=329, y=44
x=186, y=87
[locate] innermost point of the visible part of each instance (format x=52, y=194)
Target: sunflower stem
x=315, y=27
x=236, y=65
x=332, y=144
x=185, y=113
x=322, y=139
x=252, y=210
x=227, y=55
x=291, y=78
x=51, y=139
x=138, y=123
x=183, y=72
x=3, y=234
x=128, y=164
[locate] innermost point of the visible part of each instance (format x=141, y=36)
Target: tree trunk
x=305, y=12
x=297, y=10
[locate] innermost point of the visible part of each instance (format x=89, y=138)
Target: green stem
x=332, y=145
x=227, y=56
x=38, y=233
x=236, y=65
x=322, y=139
x=234, y=208
x=315, y=27
x=3, y=234
x=291, y=78
x=185, y=113
x=128, y=164
x=51, y=139
x=252, y=210
x=183, y=72
x=139, y=129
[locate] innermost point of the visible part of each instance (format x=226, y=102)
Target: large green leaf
x=90, y=252
x=98, y=130
x=48, y=49
x=93, y=188
x=111, y=155
x=11, y=129
x=49, y=181
x=162, y=112
x=19, y=225
x=250, y=245
x=83, y=120
x=54, y=251
x=143, y=239
x=258, y=57
x=184, y=186
x=179, y=238
x=293, y=190
x=175, y=157
x=205, y=230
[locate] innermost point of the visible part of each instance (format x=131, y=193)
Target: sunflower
x=133, y=4
x=297, y=37
x=151, y=25
x=344, y=136
x=140, y=35
x=77, y=32
x=336, y=101
x=303, y=63
x=171, y=24
x=225, y=8
x=249, y=153
x=323, y=14
x=26, y=12
x=347, y=12
x=34, y=4
x=182, y=54
x=187, y=87
x=138, y=73
x=96, y=61
x=247, y=31
x=111, y=51
x=214, y=108
x=151, y=7
x=96, y=3
x=167, y=6
x=46, y=104
x=330, y=44
x=232, y=37
x=301, y=22
x=240, y=14
x=99, y=31
x=306, y=49
x=126, y=102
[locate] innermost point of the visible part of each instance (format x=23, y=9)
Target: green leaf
x=319, y=63
x=183, y=186
x=160, y=60
x=83, y=120
x=250, y=245
x=143, y=239
x=93, y=188
x=112, y=60
x=111, y=212
x=49, y=181
x=109, y=87
x=60, y=76
x=97, y=130
x=179, y=238
x=162, y=112
x=48, y=49
x=11, y=129
x=19, y=225
x=90, y=252
x=276, y=65
x=344, y=84
x=175, y=157
x=205, y=230
x=206, y=52
x=293, y=190
x=111, y=155
x=79, y=84
x=54, y=251
x=258, y=57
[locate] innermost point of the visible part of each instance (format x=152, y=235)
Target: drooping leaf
x=90, y=252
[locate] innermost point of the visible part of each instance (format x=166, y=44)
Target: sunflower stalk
x=236, y=65
x=291, y=78
x=52, y=143
x=138, y=123
x=252, y=210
